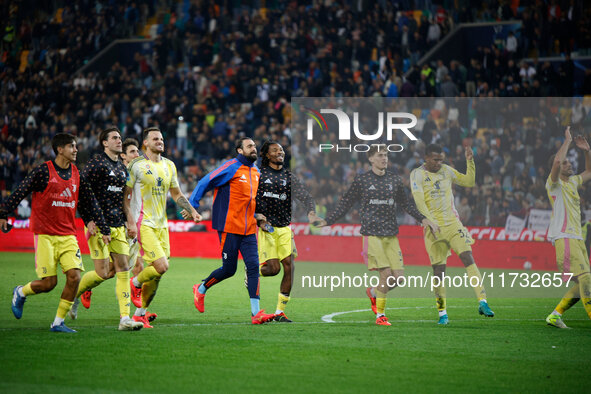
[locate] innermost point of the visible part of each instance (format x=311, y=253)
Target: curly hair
x=264, y=150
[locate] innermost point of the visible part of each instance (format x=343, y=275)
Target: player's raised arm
x=560, y=156
x=469, y=178
x=582, y=144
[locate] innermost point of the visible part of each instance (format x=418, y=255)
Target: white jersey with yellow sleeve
x=154, y=179
x=566, y=208
x=433, y=192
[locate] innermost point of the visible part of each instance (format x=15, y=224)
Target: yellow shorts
x=154, y=243
x=276, y=245
x=53, y=249
x=382, y=252
x=571, y=256
x=451, y=237
x=118, y=244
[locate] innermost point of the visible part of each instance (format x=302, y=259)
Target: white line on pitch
x=329, y=318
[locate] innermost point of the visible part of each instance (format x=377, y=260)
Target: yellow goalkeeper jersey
x=155, y=179
x=433, y=193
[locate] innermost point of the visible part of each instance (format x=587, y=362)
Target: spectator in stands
x=448, y=88
x=464, y=210
x=511, y=44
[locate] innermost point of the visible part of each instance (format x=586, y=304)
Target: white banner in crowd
x=539, y=219
x=514, y=225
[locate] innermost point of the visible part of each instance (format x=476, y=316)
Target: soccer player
x=379, y=191
x=57, y=191
x=131, y=150
x=156, y=175
x=431, y=189
x=107, y=175
x=565, y=230
x=273, y=201
x=233, y=216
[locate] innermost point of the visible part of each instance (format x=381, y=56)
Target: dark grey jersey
x=378, y=195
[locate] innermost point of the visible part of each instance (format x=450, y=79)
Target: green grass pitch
x=220, y=351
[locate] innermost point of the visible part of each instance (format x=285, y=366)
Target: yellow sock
x=122, y=291
x=149, y=291
x=440, y=297
x=585, y=290
x=148, y=274
x=27, y=290
x=381, y=301
x=473, y=271
x=282, y=301
x=89, y=281
x=570, y=298
x=63, y=308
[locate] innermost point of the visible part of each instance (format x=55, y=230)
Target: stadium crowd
x=216, y=73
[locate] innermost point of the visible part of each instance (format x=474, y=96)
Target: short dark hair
x=375, y=148
x=148, y=130
x=265, y=149
x=433, y=148
x=129, y=142
x=61, y=140
x=240, y=141
x=104, y=135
